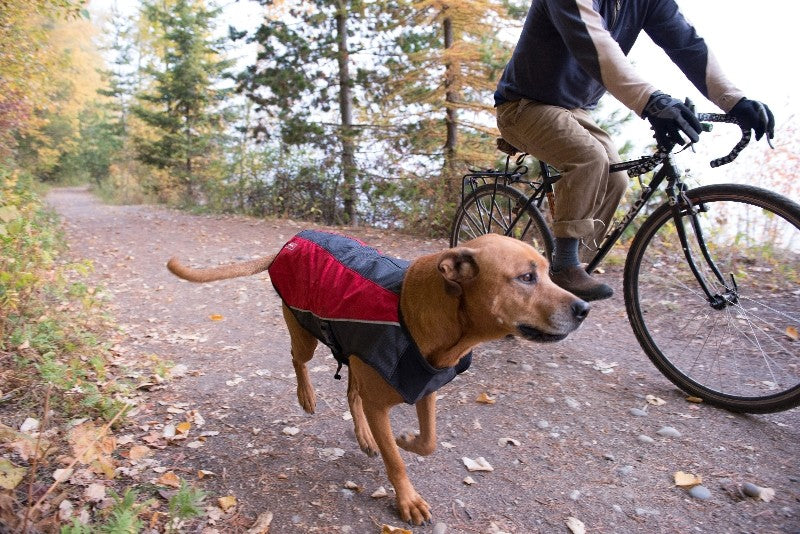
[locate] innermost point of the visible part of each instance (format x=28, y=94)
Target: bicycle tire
x=492, y=208
x=743, y=357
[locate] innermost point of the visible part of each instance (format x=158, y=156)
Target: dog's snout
x=580, y=309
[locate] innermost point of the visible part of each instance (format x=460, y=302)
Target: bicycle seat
x=506, y=147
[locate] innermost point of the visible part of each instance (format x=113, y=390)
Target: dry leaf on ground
x=655, y=401
x=10, y=474
x=169, y=479
x=478, y=464
x=576, y=525
x=387, y=529
x=227, y=502
x=92, y=448
x=687, y=480
x=261, y=526
x=791, y=333
x=137, y=452
x=484, y=398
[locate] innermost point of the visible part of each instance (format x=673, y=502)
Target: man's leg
x=616, y=185
x=555, y=135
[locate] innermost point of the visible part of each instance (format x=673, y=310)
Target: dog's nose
x=580, y=309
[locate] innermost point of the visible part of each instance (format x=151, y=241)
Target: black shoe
x=578, y=282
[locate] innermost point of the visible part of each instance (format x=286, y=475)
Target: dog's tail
x=234, y=270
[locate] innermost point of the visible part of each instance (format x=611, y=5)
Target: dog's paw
x=307, y=398
x=413, y=443
x=413, y=508
x=366, y=442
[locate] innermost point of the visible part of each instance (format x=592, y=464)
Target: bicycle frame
x=676, y=198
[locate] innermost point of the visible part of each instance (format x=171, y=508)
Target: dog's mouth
x=534, y=334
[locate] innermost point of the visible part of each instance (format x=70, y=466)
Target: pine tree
x=182, y=103
x=308, y=88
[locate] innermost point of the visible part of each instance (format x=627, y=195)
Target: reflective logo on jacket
x=348, y=296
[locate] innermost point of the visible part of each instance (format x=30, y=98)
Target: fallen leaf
x=508, y=441
x=469, y=481
x=696, y=400
x=227, y=502
x=216, y=317
x=352, y=486
x=261, y=526
x=291, y=430
x=60, y=475
x=387, y=529
x=183, y=427
x=484, y=398
x=576, y=525
x=791, y=333
x=23, y=444
x=169, y=479
x=479, y=464
x=10, y=474
x=65, y=509
x=687, y=480
x=29, y=425
x=95, y=492
x=169, y=431
x=195, y=444
x=655, y=401
x=138, y=452
x=92, y=448
x=379, y=493
x=331, y=453
x=766, y=494
x=202, y=473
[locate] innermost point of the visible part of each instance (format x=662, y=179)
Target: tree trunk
x=349, y=170
x=449, y=170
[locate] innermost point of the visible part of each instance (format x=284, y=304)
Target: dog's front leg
x=425, y=443
x=377, y=399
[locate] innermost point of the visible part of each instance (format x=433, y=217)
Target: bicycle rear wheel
x=743, y=353
x=494, y=208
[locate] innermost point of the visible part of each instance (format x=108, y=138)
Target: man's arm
x=586, y=37
x=670, y=30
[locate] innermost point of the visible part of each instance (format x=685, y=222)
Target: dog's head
x=505, y=288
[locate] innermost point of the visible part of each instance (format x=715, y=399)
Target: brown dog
x=491, y=287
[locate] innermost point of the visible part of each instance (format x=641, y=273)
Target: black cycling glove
x=669, y=117
x=754, y=115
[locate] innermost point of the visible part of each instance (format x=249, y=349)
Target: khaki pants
x=569, y=140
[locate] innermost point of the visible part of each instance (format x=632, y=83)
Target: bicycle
x=711, y=279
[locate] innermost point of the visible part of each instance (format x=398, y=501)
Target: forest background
x=356, y=112
x=346, y=112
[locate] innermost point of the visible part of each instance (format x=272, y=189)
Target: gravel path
x=567, y=428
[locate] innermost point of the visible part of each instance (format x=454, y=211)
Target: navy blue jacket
x=348, y=296
x=571, y=51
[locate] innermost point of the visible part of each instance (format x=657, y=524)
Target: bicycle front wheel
x=501, y=209
x=739, y=351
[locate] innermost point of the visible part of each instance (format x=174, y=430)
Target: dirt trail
x=580, y=450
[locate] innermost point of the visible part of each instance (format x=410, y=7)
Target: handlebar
x=746, y=133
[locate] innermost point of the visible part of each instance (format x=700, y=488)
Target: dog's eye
x=527, y=278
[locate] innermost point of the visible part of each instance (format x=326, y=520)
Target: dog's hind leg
x=360, y=425
x=303, y=345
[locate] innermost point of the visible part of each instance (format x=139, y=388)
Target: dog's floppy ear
x=457, y=266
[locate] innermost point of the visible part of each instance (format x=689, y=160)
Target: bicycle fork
x=683, y=208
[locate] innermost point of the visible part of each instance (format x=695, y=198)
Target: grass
x=55, y=364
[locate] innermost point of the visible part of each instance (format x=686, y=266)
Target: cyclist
x=570, y=52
